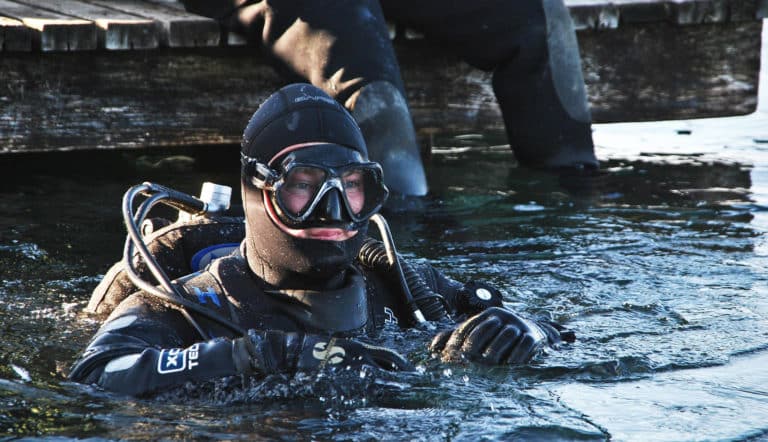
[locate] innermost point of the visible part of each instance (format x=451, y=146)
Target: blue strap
x=202, y=258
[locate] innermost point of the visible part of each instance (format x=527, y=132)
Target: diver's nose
x=330, y=209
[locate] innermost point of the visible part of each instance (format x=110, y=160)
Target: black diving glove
x=266, y=352
x=498, y=336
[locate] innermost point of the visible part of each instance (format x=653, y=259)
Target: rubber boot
x=382, y=113
x=543, y=98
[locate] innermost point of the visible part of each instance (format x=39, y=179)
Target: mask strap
x=291, y=148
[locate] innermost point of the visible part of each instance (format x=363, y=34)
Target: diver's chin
x=322, y=233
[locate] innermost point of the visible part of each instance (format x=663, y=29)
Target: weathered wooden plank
x=53, y=31
x=600, y=14
x=586, y=14
x=170, y=4
x=227, y=38
x=117, y=29
x=702, y=11
x=122, y=99
x=662, y=71
x=14, y=35
x=643, y=11
x=179, y=29
x=205, y=96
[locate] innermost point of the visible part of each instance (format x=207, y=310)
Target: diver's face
x=299, y=190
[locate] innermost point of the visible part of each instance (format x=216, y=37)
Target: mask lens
x=364, y=191
x=304, y=188
x=299, y=188
x=354, y=182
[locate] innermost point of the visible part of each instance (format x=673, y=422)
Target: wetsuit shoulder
x=179, y=248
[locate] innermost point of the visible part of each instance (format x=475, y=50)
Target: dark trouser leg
x=343, y=47
x=548, y=121
x=382, y=113
x=531, y=47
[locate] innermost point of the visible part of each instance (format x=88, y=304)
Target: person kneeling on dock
x=344, y=48
x=306, y=284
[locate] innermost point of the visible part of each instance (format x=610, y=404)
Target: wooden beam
x=125, y=99
x=227, y=38
x=167, y=97
x=642, y=72
x=592, y=14
x=52, y=31
x=179, y=29
x=14, y=35
x=164, y=97
x=117, y=29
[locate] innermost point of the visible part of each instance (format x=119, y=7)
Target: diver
x=307, y=283
x=343, y=47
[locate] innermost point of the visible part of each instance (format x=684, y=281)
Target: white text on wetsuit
x=176, y=359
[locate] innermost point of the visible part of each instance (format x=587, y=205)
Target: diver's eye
x=304, y=180
x=299, y=188
x=354, y=188
x=353, y=181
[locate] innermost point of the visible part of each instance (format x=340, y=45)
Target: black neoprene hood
x=296, y=114
x=299, y=113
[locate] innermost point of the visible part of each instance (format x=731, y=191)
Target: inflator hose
x=373, y=255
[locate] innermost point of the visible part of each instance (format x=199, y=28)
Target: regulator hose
x=374, y=255
x=134, y=242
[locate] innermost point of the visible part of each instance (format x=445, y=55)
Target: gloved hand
x=275, y=351
x=498, y=336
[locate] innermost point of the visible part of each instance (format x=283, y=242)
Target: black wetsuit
x=146, y=346
x=296, y=301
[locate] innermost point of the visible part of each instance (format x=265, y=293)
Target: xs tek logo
x=330, y=353
x=176, y=359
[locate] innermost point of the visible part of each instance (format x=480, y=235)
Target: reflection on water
x=718, y=402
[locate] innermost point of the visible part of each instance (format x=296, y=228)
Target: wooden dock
x=95, y=74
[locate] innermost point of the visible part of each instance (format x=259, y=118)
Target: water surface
x=660, y=266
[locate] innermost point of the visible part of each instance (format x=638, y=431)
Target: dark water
x=661, y=267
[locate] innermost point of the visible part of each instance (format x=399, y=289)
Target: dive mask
x=320, y=185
